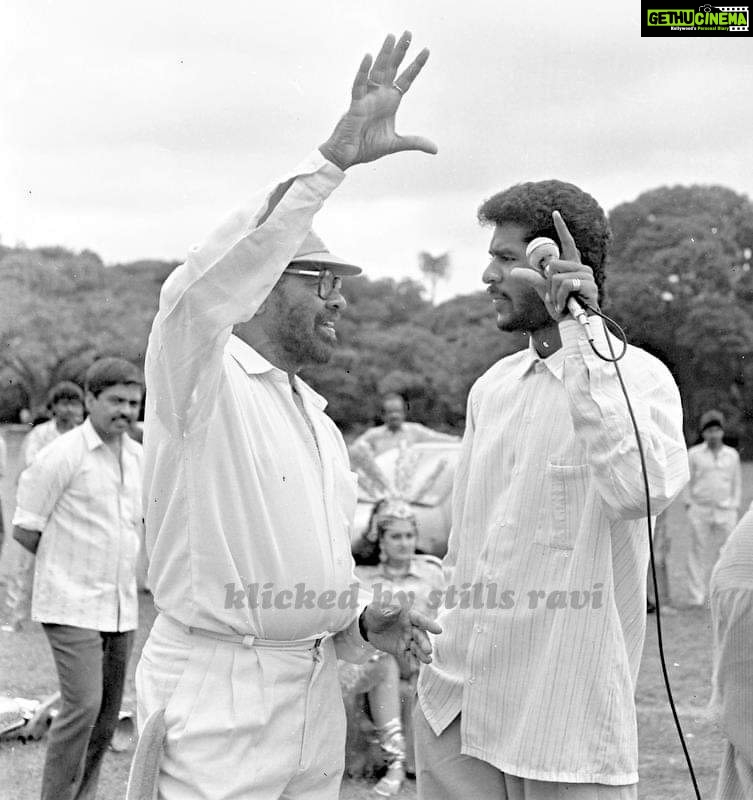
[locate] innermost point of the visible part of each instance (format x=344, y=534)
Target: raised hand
x=366, y=131
x=562, y=276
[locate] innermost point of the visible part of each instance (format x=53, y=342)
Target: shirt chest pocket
x=567, y=486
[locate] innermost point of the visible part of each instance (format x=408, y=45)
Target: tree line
x=679, y=281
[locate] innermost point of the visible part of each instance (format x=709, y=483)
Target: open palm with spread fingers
x=366, y=131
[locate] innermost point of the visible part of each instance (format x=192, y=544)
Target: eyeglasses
x=328, y=281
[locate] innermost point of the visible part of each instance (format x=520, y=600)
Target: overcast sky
x=132, y=128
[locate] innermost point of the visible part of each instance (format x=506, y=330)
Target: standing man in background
x=65, y=401
x=713, y=503
x=396, y=432
x=79, y=510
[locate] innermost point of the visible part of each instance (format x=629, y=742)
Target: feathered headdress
x=395, y=495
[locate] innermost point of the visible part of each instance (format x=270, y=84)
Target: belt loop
x=248, y=641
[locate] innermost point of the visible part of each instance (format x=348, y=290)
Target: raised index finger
x=570, y=250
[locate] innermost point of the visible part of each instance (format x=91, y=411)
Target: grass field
x=27, y=670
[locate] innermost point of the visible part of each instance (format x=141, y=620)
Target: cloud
x=132, y=129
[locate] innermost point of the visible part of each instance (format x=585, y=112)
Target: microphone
x=539, y=253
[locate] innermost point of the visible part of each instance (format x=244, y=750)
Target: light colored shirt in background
x=37, y=438
x=381, y=439
x=88, y=508
x=236, y=494
x=732, y=699
x=422, y=585
x=548, y=510
x=715, y=478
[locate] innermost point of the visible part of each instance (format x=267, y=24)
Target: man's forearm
x=28, y=539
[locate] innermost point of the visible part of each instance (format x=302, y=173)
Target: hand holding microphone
x=560, y=280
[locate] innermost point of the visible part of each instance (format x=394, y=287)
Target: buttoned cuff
x=316, y=164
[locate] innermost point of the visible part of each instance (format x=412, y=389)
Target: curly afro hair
x=531, y=204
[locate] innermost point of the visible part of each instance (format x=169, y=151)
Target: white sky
x=132, y=128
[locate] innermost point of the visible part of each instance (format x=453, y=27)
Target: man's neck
x=547, y=340
x=64, y=426
x=268, y=349
x=111, y=440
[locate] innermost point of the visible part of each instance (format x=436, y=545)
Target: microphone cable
x=614, y=359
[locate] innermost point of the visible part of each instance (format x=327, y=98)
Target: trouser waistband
x=249, y=640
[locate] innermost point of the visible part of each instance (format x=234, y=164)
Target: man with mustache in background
x=79, y=509
x=248, y=485
x=535, y=701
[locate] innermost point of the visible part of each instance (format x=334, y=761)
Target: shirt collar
x=91, y=437
x=412, y=570
x=254, y=363
x=94, y=440
x=554, y=363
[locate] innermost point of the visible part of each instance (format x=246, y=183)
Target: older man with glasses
x=249, y=492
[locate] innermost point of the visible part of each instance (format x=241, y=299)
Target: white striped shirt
x=732, y=616
x=88, y=508
x=240, y=499
x=549, y=501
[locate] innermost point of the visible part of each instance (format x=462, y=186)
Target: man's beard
x=305, y=344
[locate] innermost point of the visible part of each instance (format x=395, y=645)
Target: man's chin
x=322, y=352
x=510, y=324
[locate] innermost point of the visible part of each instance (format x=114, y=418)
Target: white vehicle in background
x=419, y=474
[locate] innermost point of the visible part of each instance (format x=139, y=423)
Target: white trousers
x=253, y=723
x=709, y=530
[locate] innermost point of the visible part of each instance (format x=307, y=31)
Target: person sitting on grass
x=386, y=560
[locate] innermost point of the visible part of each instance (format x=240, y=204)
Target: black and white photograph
x=376, y=401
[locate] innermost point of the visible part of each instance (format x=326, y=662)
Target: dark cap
x=710, y=419
x=313, y=252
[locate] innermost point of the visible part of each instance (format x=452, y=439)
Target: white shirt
x=548, y=501
x=381, y=439
x=732, y=616
x=715, y=478
x=37, y=438
x=236, y=494
x=88, y=508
